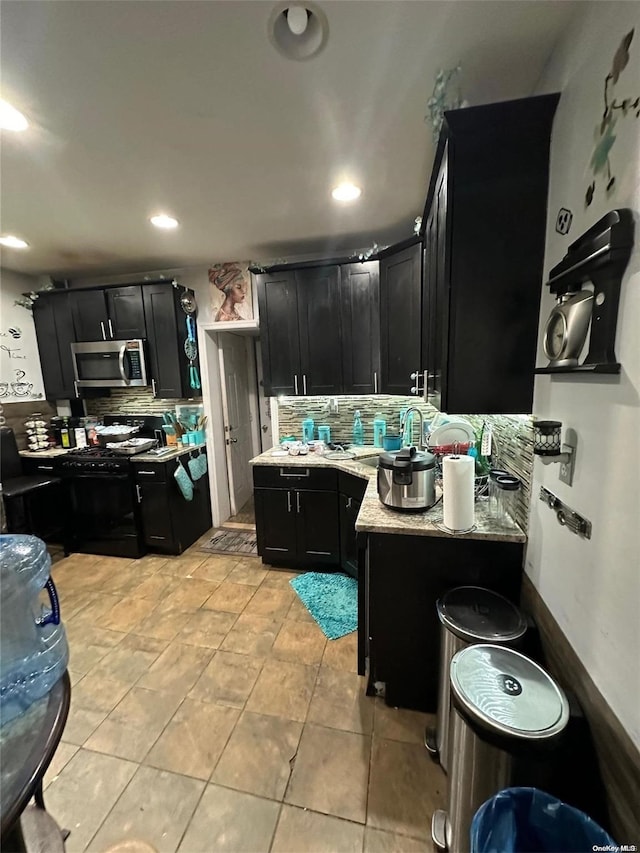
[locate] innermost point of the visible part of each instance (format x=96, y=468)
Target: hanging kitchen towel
x=184, y=482
x=203, y=461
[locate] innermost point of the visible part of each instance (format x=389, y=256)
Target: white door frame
x=213, y=391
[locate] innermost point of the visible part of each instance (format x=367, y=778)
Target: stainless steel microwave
x=110, y=364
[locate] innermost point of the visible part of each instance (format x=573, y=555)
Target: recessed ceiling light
x=164, y=221
x=12, y=242
x=11, y=118
x=346, y=192
x=298, y=29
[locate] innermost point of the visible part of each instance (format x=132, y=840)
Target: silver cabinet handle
x=121, y=354
x=297, y=501
x=295, y=382
x=104, y=334
x=110, y=328
x=150, y=473
x=75, y=387
x=349, y=503
x=153, y=387
x=288, y=501
x=304, y=384
x=138, y=494
x=45, y=467
x=375, y=382
x=425, y=388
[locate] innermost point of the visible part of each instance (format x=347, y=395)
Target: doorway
x=240, y=422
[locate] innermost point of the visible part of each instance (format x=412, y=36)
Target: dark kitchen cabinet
x=170, y=523
x=300, y=341
x=297, y=520
x=403, y=579
x=400, y=317
x=484, y=231
x=320, y=329
x=166, y=333
x=108, y=314
x=351, y=492
x=360, y=320
x=55, y=334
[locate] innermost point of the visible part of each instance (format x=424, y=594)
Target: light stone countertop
x=375, y=517
x=139, y=457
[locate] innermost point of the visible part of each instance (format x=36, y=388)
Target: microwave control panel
x=133, y=351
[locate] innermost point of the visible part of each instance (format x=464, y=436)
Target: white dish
x=279, y=452
x=449, y=433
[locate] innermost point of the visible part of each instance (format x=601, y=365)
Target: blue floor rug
x=332, y=600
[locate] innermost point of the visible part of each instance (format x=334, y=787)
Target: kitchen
x=589, y=586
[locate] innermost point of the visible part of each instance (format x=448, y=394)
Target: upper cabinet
x=484, y=233
x=111, y=314
x=166, y=333
x=400, y=316
x=319, y=329
x=55, y=334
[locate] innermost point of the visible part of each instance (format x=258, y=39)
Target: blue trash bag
x=527, y=820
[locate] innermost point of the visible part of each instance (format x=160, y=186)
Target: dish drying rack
x=481, y=481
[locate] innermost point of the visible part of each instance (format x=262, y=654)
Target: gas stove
x=94, y=459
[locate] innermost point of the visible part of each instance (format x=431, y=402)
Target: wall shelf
x=239, y=327
x=610, y=368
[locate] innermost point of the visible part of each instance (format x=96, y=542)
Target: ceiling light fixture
x=12, y=242
x=164, y=221
x=346, y=192
x=298, y=30
x=11, y=118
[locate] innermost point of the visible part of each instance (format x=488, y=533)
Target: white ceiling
x=139, y=106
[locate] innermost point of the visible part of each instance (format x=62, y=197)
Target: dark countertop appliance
x=406, y=480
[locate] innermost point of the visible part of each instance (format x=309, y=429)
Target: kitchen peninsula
x=405, y=561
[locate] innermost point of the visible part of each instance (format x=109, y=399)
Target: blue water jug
x=33, y=644
x=307, y=430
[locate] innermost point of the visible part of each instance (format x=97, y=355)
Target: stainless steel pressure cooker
x=406, y=480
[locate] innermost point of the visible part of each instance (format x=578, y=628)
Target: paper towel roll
x=458, y=473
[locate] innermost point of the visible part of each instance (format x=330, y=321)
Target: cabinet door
x=440, y=281
x=349, y=509
x=55, y=334
x=317, y=526
x=90, y=315
x=319, y=325
x=276, y=523
x=155, y=514
x=400, y=318
x=165, y=341
x=279, y=341
x=126, y=313
x=360, y=315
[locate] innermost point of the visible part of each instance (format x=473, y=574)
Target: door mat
x=332, y=600
x=231, y=542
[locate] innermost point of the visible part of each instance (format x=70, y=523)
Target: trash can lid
x=476, y=615
x=506, y=693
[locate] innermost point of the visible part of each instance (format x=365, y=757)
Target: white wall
x=19, y=358
x=593, y=587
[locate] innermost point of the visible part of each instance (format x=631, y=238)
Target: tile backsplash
x=513, y=434
x=132, y=401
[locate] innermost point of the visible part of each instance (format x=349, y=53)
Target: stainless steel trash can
x=502, y=702
x=468, y=614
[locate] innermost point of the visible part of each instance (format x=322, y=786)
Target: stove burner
x=94, y=453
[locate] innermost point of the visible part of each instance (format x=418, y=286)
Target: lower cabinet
x=351, y=493
x=169, y=522
x=297, y=518
x=400, y=582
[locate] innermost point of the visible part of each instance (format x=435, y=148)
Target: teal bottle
x=308, y=426
x=358, y=431
x=379, y=430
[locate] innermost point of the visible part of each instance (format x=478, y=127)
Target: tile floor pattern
x=209, y=713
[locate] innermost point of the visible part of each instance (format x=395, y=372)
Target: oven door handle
x=125, y=378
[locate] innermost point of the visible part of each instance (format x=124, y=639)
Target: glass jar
x=507, y=489
x=494, y=491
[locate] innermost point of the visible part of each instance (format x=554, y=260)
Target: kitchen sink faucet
x=421, y=444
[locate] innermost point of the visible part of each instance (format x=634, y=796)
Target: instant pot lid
x=420, y=461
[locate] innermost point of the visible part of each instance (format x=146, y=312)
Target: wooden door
x=90, y=319
x=237, y=418
x=155, y=514
x=400, y=318
x=349, y=509
x=318, y=526
x=164, y=341
x=276, y=524
x=279, y=340
x=360, y=318
x=126, y=313
x=55, y=334
x=440, y=288
x=319, y=325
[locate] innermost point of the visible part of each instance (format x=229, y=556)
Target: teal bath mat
x=332, y=600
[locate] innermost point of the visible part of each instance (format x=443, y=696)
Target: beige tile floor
x=209, y=713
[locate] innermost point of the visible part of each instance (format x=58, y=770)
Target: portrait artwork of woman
x=230, y=280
